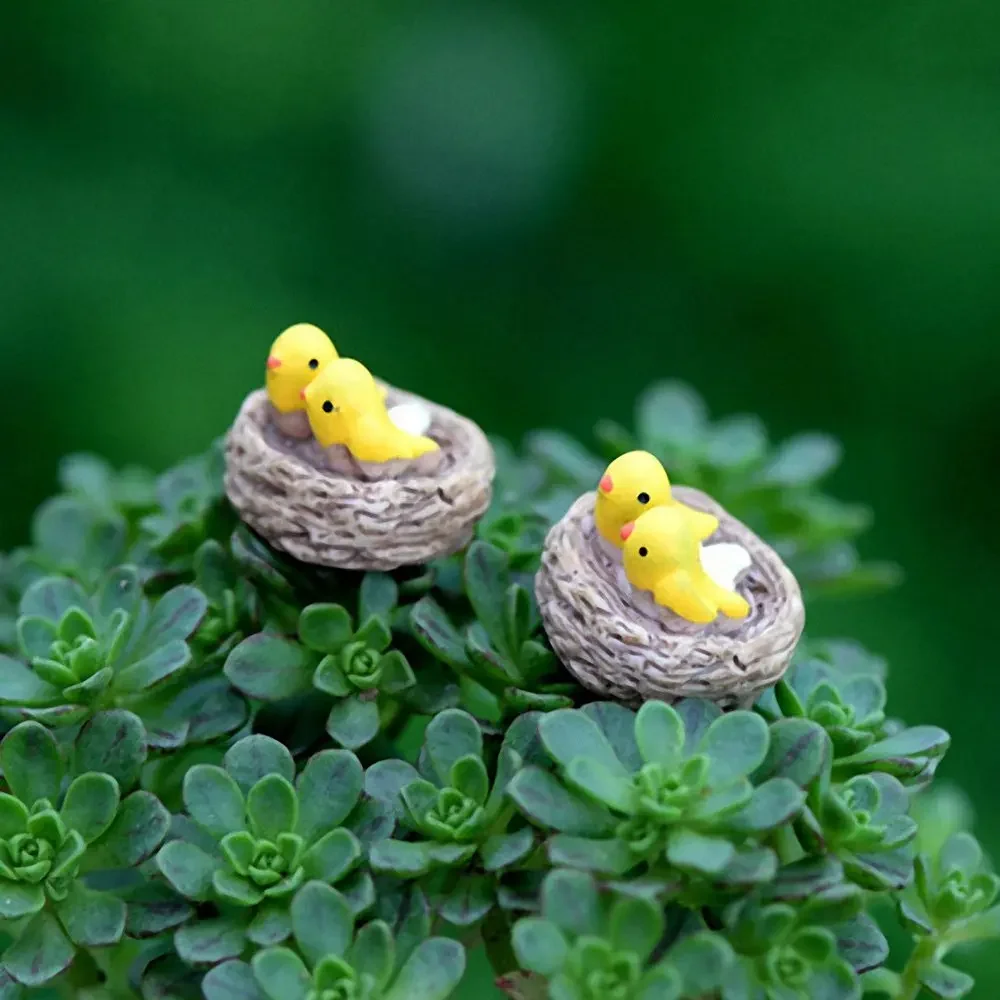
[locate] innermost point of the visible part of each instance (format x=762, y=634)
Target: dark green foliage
x=231, y=776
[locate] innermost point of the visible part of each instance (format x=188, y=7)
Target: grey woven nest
x=618, y=643
x=323, y=507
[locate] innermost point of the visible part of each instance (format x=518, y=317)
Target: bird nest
x=617, y=642
x=322, y=506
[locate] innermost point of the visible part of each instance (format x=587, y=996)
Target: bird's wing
x=703, y=525
x=676, y=591
x=724, y=562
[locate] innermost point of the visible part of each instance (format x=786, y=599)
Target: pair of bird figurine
x=337, y=400
x=661, y=542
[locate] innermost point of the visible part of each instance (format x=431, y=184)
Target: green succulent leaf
x=40, y=952
x=213, y=800
x=544, y=800
x=91, y=919
x=353, y=722
x=253, y=758
x=272, y=807
x=137, y=831
x=113, y=742
x=540, y=946
x=207, y=942
x=281, y=974
x=32, y=765
x=90, y=805
x=322, y=921
x=232, y=980
x=328, y=789
x=431, y=972
x=450, y=736
x=270, y=668
x=187, y=868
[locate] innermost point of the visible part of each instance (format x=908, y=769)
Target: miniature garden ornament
x=346, y=407
x=339, y=469
x=647, y=592
x=295, y=358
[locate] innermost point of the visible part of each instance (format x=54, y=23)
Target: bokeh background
x=527, y=211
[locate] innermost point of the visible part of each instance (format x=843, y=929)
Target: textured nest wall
x=321, y=506
x=619, y=643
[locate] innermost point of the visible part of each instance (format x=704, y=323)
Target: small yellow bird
x=632, y=484
x=346, y=406
x=662, y=554
x=296, y=357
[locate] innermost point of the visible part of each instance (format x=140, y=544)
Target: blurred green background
x=527, y=211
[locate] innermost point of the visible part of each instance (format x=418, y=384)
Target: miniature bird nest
x=617, y=642
x=354, y=515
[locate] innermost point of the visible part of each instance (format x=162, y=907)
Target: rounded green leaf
x=961, y=853
x=702, y=959
x=775, y=802
x=281, y=975
x=594, y=779
x=378, y=595
x=325, y=627
x=137, y=831
x=113, y=742
x=159, y=664
x=610, y=856
x=213, y=800
x=18, y=899
x=31, y=763
x=505, y=849
x=798, y=750
x=570, y=900
x=270, y=668
x=539, y=946
x=659, y=731
x=233, y=980
x=206, y=942
x=373, y=952
x=451, y=734
x=332, y=856
x=636, y=926
x=322, y=921
x=543, y=799
x=386, y=779
x=234, y=889
x=568, y=734
x=175, y=616
x=736, y=745
x=670, y=413
x=469, y=776
x=353, y=722
x=433, y=970
x=40, y=952
x=328, y=789
x=20, y=685
x=402, y=858
x=272, y=807
x=91, y=919
x=254, y=757
x=90, y=805
x=51, y=597
x=13, y=816
x=187, y=868
x=693, y=851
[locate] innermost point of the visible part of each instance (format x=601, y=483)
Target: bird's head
x=341, y=392
x=634, y=483
x=656, y=543
x=296, y=357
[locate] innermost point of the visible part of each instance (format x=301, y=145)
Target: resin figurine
x=295, y=359
x=649, y=591
x=379, y=478
x=346, y=407
x=662, y=554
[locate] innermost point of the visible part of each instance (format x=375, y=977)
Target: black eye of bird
x=643, y=551
x=314, y=364
x=643, y=498
x=327, y=407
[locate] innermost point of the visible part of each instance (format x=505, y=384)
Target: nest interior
x=322, y=506
x=619, y=643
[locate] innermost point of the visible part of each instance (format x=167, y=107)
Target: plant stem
x=787, y=845
x=909, y=981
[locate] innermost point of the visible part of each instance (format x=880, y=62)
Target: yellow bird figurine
x=662, y=554
x=346, y=406
x=633, y=484
x=296, y=357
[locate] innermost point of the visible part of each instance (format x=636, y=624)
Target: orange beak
x=627, y=530
x=273, y=362
x=606, y=484
x=302, y=395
